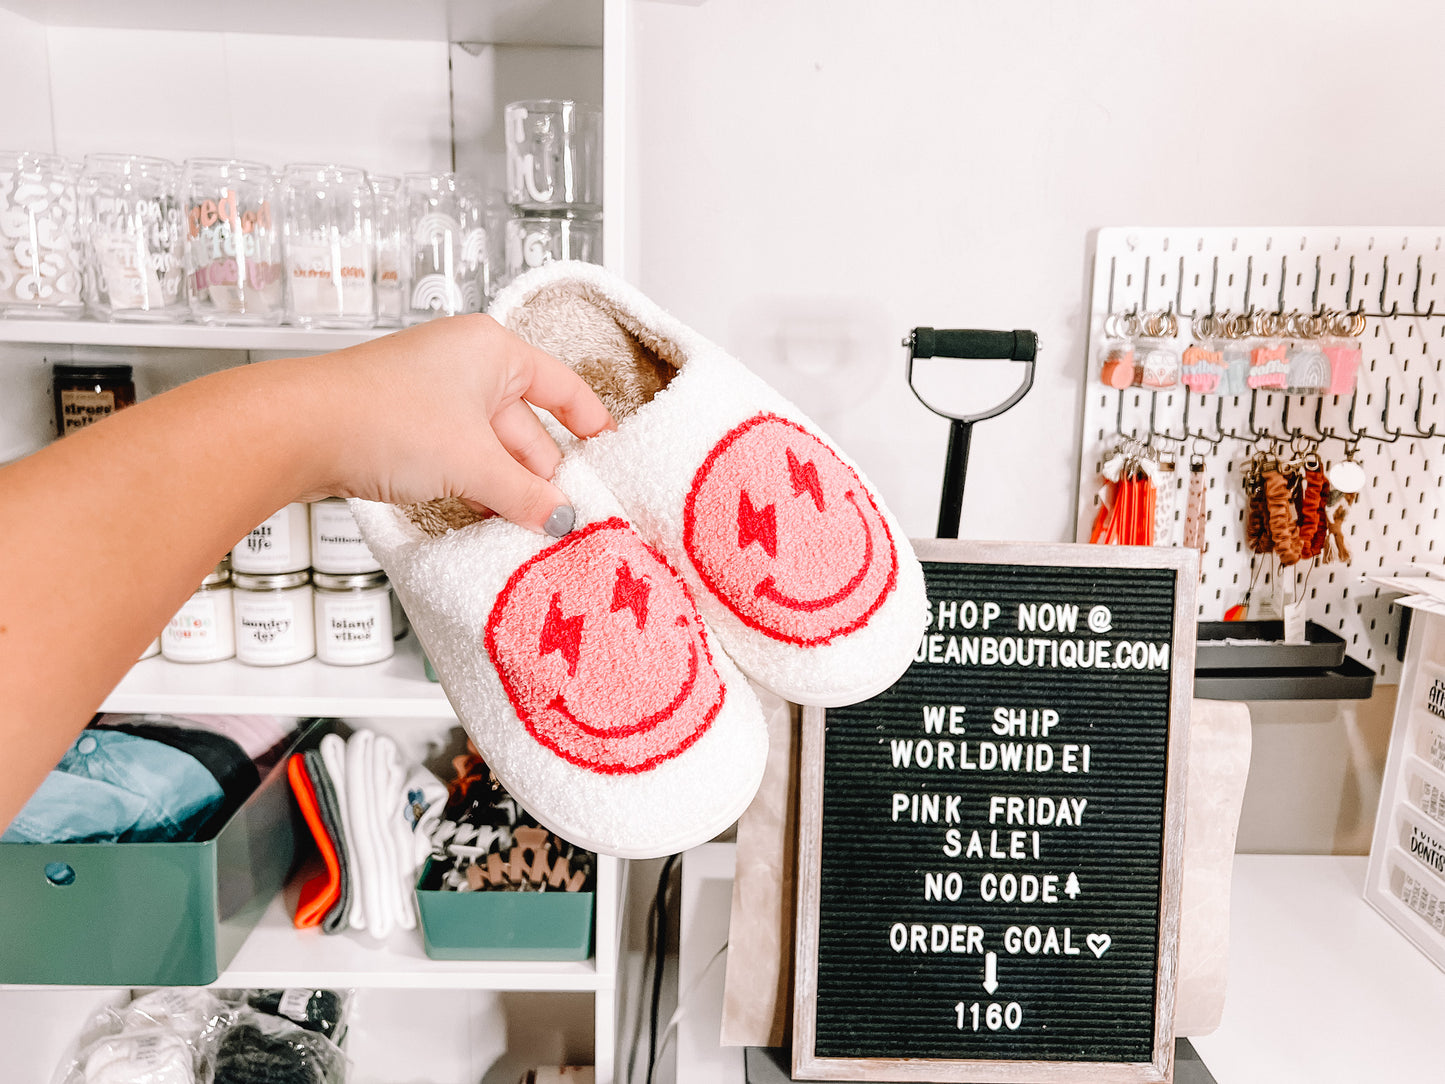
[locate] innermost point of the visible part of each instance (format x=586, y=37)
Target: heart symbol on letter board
x=1098, y=943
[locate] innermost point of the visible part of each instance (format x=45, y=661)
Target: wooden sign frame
x=1160, y=1068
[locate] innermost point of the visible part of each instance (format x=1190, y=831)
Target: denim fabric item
x=115, y=787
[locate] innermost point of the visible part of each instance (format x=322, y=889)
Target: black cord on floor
x=664, y=883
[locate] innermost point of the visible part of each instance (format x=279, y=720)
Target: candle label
x=336, y=542
x=354, y=630
x=274, y=546
x=80, y=408
x=267, y=627
x=199, y=632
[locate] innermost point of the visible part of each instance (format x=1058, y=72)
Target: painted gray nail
x=560, y=521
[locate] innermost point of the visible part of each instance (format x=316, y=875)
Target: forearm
x=120, y=522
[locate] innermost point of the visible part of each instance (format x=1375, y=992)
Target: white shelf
x=182, y=336
x=396, y=688
x=278, y=954
x=501, y=22
x=1321, y=988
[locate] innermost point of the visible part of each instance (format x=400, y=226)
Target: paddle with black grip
x=927, y=342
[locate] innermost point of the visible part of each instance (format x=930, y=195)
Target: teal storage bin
x=504, y=925
x=145, y=914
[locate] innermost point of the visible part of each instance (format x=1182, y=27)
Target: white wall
x=815, y=177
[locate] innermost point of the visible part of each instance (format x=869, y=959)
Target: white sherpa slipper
x=582, y=670
x=805, y=577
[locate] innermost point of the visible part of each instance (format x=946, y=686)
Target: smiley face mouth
x=647, y=722
x=767, y=588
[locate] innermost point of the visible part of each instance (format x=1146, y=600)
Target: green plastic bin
x=145, y=914
x=504, y=925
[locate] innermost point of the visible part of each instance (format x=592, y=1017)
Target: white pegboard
x=1397, y=276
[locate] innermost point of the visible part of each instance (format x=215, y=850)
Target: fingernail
x=560, y=521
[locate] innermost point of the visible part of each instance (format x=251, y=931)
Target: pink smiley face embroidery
x=600, y=650
x=783, y=532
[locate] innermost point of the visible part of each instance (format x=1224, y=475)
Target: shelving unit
x=182, y=336
x=393, y=86
x=396, y=688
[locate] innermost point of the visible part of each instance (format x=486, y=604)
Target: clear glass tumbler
x=390, y=284
x=233, y=246
x=476, y=243
x=533, y=240
x=554, y=155
x=130, y=211
x=329, y=219
x=440, y=285
x=41, y=256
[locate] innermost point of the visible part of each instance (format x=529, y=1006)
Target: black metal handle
x=927, y=342
x=972, y=344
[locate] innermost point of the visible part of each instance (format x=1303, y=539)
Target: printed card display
x=989, y=862
x=1406, y=878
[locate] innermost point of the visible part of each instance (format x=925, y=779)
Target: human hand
x=441, y=410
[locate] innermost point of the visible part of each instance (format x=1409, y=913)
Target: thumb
x=515, y=493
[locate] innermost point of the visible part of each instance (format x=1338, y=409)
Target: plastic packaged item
x=158, y=1038
x=258, y=1048
x=203, y=629
x=322, y=1011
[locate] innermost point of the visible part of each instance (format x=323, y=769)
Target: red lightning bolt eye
x=630, y=593
x=805, y=479
x=758, y=525
x=562, y=634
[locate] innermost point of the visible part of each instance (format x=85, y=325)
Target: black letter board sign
x=989, y=859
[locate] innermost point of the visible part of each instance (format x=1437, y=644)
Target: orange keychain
x=320, y=893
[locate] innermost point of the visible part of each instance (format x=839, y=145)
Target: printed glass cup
x=476, y=243
x=233, y=242
x=554, y=155
x=440, y=284
x=390, y=284
x=328, y=223
x=533, y=240
x=130, y=211
x=41, y=257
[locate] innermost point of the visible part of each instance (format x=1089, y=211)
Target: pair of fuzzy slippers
x=717, y=531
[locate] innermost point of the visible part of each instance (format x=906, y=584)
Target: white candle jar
x=336, y=542
x=281, y=544
x=274, y=620
x=41, y=258
x=204, y=629
x=353, y=619
x=329, y=224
